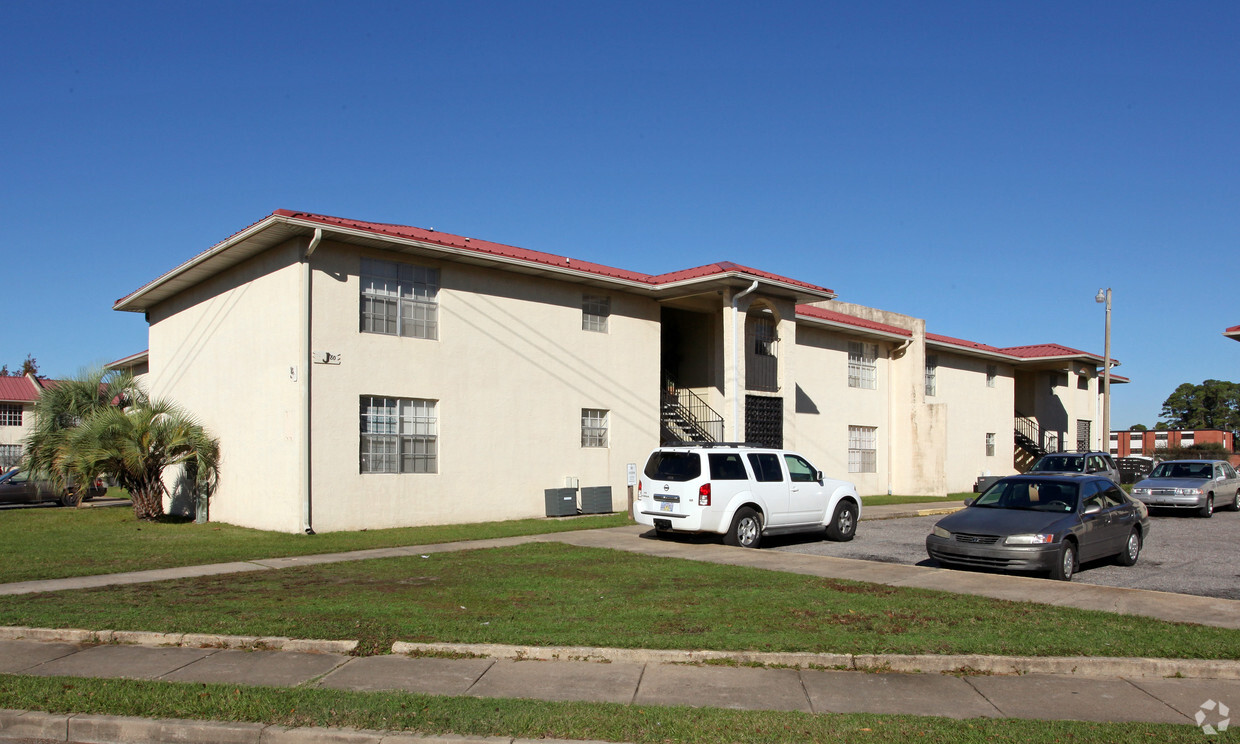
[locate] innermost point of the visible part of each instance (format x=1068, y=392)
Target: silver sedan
x=1191, y=484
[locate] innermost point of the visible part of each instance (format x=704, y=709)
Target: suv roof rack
x=707, y=445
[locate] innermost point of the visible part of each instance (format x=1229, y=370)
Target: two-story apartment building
x=17, y=397
x=365, y=375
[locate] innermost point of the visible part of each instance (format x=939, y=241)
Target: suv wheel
x=746, y=529
x=843, y=523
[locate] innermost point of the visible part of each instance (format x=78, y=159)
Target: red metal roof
x=18, y=389
x=961, y=342
x=1038, y=351
x=1233, y=329
x=852, y=320
x=458, y=242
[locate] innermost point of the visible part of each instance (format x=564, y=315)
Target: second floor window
x=862, y=365
x=10, y=414
x=932, y=374
x=400, y=299
x=595, y=310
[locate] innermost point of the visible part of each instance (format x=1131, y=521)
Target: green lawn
x=557, y=594
x=57, y=543
x=532, y=720
x=952, y=499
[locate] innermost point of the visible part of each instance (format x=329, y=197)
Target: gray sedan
x=1191, y=484
x=1048, y=523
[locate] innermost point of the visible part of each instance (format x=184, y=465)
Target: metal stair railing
x=686, y=413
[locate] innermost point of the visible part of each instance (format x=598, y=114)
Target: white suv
x=742, y=492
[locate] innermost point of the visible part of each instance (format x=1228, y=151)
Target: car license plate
x=666, y=506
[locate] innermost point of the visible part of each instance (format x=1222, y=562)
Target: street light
x=1104, y=295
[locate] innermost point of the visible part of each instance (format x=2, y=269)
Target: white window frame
x=862, y=365
x=932, y=375
x=10, y=455
x=595, y=311
x=863, y=449
x=594, y=427
x=398, y=435
x=399, y=299
x=11, y=414
x=990, y=444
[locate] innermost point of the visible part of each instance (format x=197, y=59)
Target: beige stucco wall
x=972, y=411
x=227, y=351
x=510, y=372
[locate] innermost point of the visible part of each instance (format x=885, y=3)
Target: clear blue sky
x=986, y=166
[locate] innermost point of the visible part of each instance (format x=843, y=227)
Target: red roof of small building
x=18, y=389
x=966, y=344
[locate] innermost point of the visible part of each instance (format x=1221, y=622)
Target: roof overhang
x=280, y=227
x=1233, y=333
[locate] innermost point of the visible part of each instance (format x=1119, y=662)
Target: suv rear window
x=673, y=466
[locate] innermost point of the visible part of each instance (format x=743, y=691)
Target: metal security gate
x=1084, y=442
x=764, y=420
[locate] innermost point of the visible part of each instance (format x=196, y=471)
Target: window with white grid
x=398, y=435
x=10, y=455
x=990, y=444
x=593, y=427
x=932, y=374
x=400, y=299
x=863, y=449
x=10, y=414
x=595, y=310
x=862, y=365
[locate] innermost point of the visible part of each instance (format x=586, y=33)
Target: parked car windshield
x=1183, y=470
x=5, y=478
x=674, y=466
x=1030, y=495
x=1060, y=464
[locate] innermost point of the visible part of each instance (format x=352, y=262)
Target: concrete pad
x=1188, y=695
x=18, y=656
x=159, y=731
x=1073, y=699
x=740, y=688
x=262, y=668
x=560, y=680
x=127, y=662
x=429, y=675
x=910, y=694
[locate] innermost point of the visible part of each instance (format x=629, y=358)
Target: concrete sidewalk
x=641, y=678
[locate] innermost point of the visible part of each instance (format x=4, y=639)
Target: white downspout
x=736, y=363
x=895, y=353
x=307, y=360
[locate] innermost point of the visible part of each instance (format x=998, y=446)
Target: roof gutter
x=736, y=363
x=307, y=360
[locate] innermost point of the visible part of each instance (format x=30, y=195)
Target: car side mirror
x=969, y=502
x=1093, y=509
x=818, y=476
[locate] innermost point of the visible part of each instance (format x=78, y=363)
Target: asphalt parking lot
x=1183, y=554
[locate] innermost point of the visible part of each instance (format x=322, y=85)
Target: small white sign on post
x=632, y=473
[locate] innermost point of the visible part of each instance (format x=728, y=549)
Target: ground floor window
x=398, y=435
x=863, y=449
x=593, y=427
x=990, y=444
x=10, y=455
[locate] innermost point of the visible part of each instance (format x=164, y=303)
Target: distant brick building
x=1148, y=443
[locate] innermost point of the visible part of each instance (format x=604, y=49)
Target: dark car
x=1050, y=523
x=17, y=487
x=1094, y=463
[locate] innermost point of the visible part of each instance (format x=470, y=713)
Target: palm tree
x=102, y=423
x=138, y=444
x=64, y=404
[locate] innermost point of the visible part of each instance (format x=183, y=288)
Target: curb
x=963, y=664
x=189, y=640
x=60, y=727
